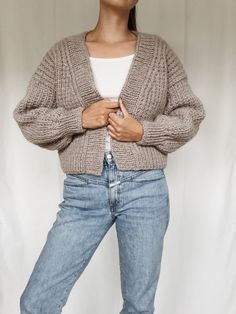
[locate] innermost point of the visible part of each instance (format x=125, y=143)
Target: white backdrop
x=198, y=273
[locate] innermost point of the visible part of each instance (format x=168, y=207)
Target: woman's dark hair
x=132, y=19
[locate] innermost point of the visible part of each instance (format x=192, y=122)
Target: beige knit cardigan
x=156, y=92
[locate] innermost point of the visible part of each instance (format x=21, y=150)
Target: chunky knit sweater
x=156, y=93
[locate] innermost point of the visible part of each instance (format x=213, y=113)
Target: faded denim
x=138, y=203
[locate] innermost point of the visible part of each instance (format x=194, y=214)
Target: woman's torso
x=109, y=76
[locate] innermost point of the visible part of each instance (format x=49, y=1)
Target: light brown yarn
x=156, y=93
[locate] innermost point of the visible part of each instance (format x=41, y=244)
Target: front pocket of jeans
x=148, y=175
x=75, y=180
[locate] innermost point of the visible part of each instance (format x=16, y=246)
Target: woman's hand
x=126, y=129
x=96, y=115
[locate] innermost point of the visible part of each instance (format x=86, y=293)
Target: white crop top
x=109, y=76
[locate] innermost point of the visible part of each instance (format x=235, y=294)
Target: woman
x=113, y=102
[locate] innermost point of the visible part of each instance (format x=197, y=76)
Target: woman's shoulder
x=156, y=36
x=73, y=40
x=172, y=59
x=162, y=43
x=60, y=44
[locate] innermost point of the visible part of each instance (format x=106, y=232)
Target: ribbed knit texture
x=156, y=92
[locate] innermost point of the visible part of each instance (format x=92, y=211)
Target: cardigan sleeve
x=182, y=114
x=39, y=118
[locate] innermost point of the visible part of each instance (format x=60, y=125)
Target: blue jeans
x=138, y=203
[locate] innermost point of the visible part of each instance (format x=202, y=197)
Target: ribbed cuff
x=152, y=132
x=73, y=121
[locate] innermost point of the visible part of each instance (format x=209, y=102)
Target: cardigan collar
x=83, y=78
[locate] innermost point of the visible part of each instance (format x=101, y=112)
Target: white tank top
x=109, y=76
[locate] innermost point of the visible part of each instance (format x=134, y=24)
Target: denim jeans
x=137, y=202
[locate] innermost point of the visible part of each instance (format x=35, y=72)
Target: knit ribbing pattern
x=156, y=92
